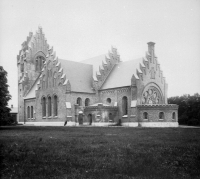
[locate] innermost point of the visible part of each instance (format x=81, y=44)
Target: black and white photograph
x=100, y=89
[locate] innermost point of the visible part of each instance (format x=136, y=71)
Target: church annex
x=99, y=91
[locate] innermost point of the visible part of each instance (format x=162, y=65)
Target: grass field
x=99, y=152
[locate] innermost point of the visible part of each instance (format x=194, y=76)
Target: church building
x=100, y=91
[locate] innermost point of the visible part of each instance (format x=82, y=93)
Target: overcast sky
x=81, y=29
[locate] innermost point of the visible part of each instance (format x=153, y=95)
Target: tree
x=189, y=108
x=4, y=98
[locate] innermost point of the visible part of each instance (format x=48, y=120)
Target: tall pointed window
x=28, y=112
x=31, y=111
x=43, y=107
x=49, y=106
x=124, y=105
x=55, y=105
x=87, y=102
x=39, y=62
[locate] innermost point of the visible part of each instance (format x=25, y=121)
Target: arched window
x=124, y=105
x=79, y=101
x=39, y=61
x=49, y=106
x=55, y=105
x=161, y=115
x=87, y=102
x=108, y=100
x=31, y=111
x=43, y=107
x=145, y=115
x=36, y=65
x=28, y=112
x=173, y=115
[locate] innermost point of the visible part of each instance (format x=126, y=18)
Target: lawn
x=99, y=152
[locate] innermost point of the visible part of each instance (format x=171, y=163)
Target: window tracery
x=151, y=96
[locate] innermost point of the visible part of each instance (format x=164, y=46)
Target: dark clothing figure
x=65, y=123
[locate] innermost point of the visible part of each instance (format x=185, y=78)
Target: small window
x=173, y=115
x=79, y=101
x=161, y=115
x=145, y=115
x=108, y=100
x=87, y=102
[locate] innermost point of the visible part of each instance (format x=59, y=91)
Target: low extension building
x=99, y=91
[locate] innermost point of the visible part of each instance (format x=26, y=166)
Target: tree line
x=189, y=108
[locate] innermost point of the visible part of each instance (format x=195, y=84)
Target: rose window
x=151, y=96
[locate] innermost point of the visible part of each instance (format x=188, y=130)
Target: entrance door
x=80, y=119
x=90, y=119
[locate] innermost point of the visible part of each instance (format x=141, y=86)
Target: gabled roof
x=122, y=73
x=95, y=62
x=78, y=74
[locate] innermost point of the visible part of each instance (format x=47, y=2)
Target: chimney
x=151, y=48
x=11, y=105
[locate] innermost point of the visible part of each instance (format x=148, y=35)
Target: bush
x=193, y=122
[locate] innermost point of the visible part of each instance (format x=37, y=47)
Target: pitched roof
x=31, y=92
x=78, y=74
x=122, y=73
x=95, y=62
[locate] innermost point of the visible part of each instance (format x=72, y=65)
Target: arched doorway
x=90, y=119
x=110, y=117
x=80, y=118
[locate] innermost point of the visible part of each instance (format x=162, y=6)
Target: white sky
x=81, y=29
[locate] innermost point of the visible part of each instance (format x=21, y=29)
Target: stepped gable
x=136, y=71
x=102, y=66
x=32, y=47
x=122, y=73
x=77, y=77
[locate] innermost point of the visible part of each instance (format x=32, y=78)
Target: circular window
x=108, y=100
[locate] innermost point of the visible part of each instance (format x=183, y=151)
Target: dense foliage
x=189, y=108
x=4, y=98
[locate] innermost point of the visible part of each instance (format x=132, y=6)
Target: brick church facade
x=100, y=91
